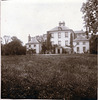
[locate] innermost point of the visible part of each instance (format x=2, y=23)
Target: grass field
x=73, y=77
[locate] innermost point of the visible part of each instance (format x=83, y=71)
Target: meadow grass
x=73, y=77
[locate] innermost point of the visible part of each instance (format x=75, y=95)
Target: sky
x=35, y=17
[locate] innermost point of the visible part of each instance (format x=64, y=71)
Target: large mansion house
x=63, y=38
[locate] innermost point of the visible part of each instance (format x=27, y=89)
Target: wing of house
x=81, y=44
x=34, y=44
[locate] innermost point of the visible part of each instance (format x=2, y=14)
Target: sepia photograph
x=49, y=49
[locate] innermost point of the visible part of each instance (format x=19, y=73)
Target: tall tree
x=49, y=45
x=94, y=44
x=90, y=11
x=42, y=41
x=7, y=39
x=71, y=42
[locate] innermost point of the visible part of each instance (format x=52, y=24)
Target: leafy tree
x=90, y=11
x=2, y=49
x=94, y=44
x=46, y=44
x=31, y=51
x=49, y=45
x=7, y=39
x=44, y=48
x=71, y=42
x=14, y=47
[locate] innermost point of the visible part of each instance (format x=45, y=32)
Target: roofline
x=33, y=43
x=80, y=40
x=79, y=33
x=61, y=30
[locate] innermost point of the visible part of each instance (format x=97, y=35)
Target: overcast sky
x=35, y=17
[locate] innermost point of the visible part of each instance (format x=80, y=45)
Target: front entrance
x=58, y=51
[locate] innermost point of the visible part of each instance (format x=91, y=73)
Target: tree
x=14, y=47
x=7, y=39
x=94, y=44
x=42, y=41
x=90, y=12
x=71, y=42
x=44, y=48
x=49, y=45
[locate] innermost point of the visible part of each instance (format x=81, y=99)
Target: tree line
x=12, y=46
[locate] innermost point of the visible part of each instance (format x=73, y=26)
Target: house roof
x=81, y=38
x=33, y=41
x=60, y=28
x=79, y=31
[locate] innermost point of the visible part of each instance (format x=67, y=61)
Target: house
x=62, y=40
x=81, y=44
x=61, y=37
x=79, y=33
x=33, y=44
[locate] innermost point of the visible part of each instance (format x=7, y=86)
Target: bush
x=13, y=48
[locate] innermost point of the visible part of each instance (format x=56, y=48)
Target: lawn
x=73, y=77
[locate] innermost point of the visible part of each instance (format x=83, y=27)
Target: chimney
x=29, y=38
x=61, y=23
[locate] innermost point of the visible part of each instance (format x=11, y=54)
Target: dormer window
x=59, y=28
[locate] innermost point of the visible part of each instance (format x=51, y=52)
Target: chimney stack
x=61, y=23
x=29, y=38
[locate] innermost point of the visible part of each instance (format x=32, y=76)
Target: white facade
x=81, y=45
x=61, y=38
x=34, y=45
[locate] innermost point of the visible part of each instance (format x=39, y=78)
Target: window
x=29, y=46
x=84, y=49
x=77, y=43
x=83, y=43
x=77, y=49
x=83, y=34
x=34, y=45
x=52, y=35
x=59, y=43
x=66, y=34
x=59, y=35
x=52, y=42
x=59, y=28
x=66, y=42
